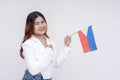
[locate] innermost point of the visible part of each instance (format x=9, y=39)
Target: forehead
x=39, y=19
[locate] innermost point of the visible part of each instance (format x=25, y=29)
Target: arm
x=63, y=54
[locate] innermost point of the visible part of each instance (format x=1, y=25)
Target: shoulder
x=27, y=43
x=31, y=40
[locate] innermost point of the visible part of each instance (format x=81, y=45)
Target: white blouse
x=41, y=59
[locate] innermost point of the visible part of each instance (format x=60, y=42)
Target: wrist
x=67, y=45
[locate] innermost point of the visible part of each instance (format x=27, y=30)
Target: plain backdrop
x=64, y=17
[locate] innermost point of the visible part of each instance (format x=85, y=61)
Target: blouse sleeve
x=59, y=58
x=62, y=56
x=34, y=64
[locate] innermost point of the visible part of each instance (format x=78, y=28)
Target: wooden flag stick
x=74, y=33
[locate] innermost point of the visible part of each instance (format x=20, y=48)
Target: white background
x=64, y=17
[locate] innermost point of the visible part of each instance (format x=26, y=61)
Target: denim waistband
x=29, y=76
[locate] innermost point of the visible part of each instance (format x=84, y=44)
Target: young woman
x=39, y=51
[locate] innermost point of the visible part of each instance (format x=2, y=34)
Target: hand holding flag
x=67, y=40
x=88, y=41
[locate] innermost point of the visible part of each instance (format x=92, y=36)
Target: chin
x=42, y=33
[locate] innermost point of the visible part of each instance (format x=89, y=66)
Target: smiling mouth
x=43, y=29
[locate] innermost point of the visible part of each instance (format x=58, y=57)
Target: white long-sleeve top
x=41, y=59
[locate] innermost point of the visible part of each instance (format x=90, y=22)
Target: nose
x=41, y=25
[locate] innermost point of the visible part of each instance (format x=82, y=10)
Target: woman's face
x=40, y=26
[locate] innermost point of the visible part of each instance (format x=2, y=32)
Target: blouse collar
x=34, y=38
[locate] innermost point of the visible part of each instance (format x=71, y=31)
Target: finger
x=68, y=36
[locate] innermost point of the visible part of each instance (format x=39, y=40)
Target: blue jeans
x=28, y=76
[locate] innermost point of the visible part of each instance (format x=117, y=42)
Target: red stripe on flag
x=84, y=42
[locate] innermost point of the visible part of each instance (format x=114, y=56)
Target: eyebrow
x=36, y=22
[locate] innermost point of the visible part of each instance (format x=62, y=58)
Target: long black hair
x=30, y=26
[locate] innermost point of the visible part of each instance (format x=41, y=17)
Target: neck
x=40, y=36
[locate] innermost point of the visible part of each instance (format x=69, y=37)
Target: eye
x=36, y=23
x=42, y=21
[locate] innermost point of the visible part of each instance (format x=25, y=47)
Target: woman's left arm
x=63, y=54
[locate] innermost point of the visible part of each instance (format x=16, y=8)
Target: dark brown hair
x=30, y=26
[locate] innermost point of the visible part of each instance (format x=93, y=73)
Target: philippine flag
x=87, y=41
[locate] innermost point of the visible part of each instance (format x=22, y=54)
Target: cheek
x=35, y=29
x=44, y=24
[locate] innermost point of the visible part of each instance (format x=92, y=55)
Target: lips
x=41, y=29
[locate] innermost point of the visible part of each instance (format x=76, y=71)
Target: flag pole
x=74, y=33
